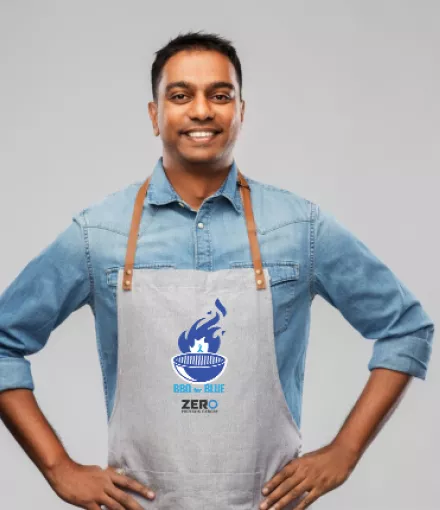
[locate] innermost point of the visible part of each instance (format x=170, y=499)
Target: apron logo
x=199, y=361
x=199, y=404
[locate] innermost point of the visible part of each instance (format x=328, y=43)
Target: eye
x=221, y=96
x=176, y=96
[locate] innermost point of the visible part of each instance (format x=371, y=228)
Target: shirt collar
x=161, y=192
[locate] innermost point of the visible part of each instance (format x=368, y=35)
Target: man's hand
x=90, y=487
x=315, y=472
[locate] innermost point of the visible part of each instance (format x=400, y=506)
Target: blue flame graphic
x=206, y=330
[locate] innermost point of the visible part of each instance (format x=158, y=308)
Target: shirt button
x=200, y=225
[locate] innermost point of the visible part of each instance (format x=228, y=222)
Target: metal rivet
x=128, y=271
x=259, y=282
x=127, y=282
x=258, y=271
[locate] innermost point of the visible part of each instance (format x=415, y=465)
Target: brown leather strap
x=250, y=225
x=133, y=235
x=245, y=192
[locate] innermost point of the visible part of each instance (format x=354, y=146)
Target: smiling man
x=201, y=281
x=197, y=111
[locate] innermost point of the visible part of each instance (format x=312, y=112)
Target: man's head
x=197, y=84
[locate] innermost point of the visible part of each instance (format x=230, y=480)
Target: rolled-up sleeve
x=370, y=296
x=46, y=291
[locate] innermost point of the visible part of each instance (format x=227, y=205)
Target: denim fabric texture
x=307, y=252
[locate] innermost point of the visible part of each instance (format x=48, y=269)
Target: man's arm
x=370, y=297
x=379, y=306
x=379, y=399
x=23, y=417
x=48, y=289
x=318, y=472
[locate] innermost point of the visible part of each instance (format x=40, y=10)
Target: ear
x=242, y=109
x=152, y=112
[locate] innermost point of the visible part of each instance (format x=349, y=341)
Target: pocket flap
x=112, y=272
x=283, y=273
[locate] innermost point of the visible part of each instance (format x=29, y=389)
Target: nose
x=201, y=108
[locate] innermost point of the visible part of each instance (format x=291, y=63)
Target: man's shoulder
x=284, y=205
x=113, y=211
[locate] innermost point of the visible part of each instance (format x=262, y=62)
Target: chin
x=201, y=156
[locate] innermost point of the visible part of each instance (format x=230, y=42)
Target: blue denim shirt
x=306, y=250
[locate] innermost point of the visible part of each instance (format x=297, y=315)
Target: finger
x=127, y=501
x=284, y=488
x=293, y=494
x=130, y=483
x=286, y=472
x=308, y=500
x=108, y=503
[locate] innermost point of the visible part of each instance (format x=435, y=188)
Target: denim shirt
x=306, y=250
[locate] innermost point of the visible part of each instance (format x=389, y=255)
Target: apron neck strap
x=250, y=225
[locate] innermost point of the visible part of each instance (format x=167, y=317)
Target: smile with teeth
x=201, y=135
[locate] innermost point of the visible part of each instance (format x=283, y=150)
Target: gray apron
x=199, y=414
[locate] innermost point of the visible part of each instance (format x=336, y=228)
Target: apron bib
x=199, y=414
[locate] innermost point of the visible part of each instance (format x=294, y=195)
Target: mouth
x=201, y=136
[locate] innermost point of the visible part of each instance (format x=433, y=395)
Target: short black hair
x=193, y=41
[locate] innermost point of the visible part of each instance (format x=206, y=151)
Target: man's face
x=199, y=93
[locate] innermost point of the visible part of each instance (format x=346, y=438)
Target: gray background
x=342, y=108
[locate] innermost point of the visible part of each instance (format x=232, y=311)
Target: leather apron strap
x=250, y=225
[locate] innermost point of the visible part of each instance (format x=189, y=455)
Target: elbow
x=15, y=372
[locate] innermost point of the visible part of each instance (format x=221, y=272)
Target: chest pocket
x=112, y=272
x=284, y=276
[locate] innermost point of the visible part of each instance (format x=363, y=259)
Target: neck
x=195, y=182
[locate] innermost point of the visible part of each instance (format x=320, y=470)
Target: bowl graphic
x=199, y=367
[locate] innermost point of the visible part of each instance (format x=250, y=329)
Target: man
x=201, y=282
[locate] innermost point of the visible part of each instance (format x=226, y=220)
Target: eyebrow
x=187, y=85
